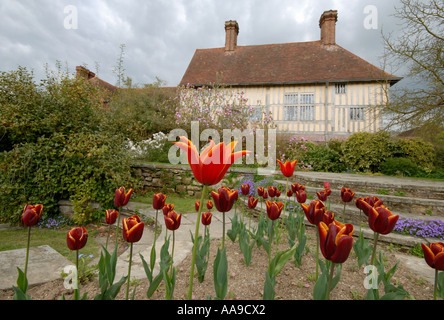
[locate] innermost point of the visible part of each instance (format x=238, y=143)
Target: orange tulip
x=159, y=201
x=287, y=168
x=132, y=229
x=434, y=255
x=172, y=220
x=336, y=241
x=274, y=209
x=111, y=216
x=121, y=197
x=381, y=220
x=76, y=238
x=31, y=215
x=206, y=218
x=210, y=167
x=252, y=202
x=224, y=199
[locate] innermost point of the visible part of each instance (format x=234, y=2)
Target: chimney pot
x=327, y=23
x=231, y=32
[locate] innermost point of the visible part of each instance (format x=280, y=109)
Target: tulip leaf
x=220, y=269
x=280, y=259
x=270, y=283
x=22, y=281
x=440, y=290
x=320, y=288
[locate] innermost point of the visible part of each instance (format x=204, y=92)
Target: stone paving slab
x=44, y=264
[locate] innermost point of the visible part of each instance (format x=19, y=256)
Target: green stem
x=172, y=251
x=270, y=241
x=155, y=228
x=317, y=253
x=330, y=278
x=27, y=250
x=118, y=225
x=343, y=213
x=107, y=238
x=435, y=291
x=223, y=230
x=129, y=271
x=375, y=241
x=196, y=234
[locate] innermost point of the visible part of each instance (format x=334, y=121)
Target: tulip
x=287, y=168
x=209, y=204
x=277, y=193
x=301, y=196
x=167, y=208
x=271, y=191
x=196, y=206
x=296, y=187
x=381, y=221
x=110, y=218
x=172, y=220
x=314, y=211
x=260, y=191
x=245, y=189
x=206, y=218
x=289, y=193
x=346, y=196
x=434, y=256
x=208, y=168
x=326, y=185
x=76, y=238
x=274, y=209
x=265, y=195
x=159, y=201
x=121, y=197
x=223, y=200
x=30, y=217
x=322, y=195
x=252, y=202
x=132, y=232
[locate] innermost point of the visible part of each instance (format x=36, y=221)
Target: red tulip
x=287, y=168
x=327, y=191
x=206, y=218
x=277, y=193
x=381, y=220
x=121, y=197
x=434, y=255
x=210, y=167
x=111, y=216
x=274, y=209
x=289, y=193
x=297, y=187
x=265, y=195
x=260, y=191
x=252, y=202
x=346, y=194
x=271, y=191
x=172, y=220
x=224, y=199
x=301, y=196
x=159, y=201
x=196, y=205
x=245, y=189
x=326, y=185
x=336, y=241
x=373, y=201
x=209, y=204
x=322, y=195
x=167, y=208
x=314, y=211
x=76, y=238
x=31, y=215
x=132, y=229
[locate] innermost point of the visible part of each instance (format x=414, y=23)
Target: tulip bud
x=132, y=229
x=172, y=220
x=159, y=201
x=121, y=197
x=31, y=215
x=206, y=218
x=76, y=238
x=111, y=216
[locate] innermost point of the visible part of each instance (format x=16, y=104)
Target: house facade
x=314, y=89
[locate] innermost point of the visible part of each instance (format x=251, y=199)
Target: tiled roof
x=287, y=63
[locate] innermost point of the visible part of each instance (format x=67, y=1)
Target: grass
x=17, y=239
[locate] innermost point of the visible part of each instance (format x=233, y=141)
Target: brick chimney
x=327, y=23
x=231, y=32
x=84, y=73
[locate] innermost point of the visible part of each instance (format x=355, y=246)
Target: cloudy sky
x=160, y=36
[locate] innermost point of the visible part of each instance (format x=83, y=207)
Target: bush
x=59, y=143
x=417, y=151
x=399, y=166
x=364, y=151
x=322, y=158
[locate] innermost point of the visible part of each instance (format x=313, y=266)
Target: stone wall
x=180, y=179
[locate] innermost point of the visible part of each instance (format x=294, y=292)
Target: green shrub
x=59, y=143
x=417, y=151
x=364, y=151
x=399, y=166
x=322, y=158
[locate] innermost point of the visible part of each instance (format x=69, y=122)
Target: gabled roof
x=286, y=63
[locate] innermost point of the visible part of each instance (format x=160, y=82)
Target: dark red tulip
x=252, y=202
x=209, y=204
x=274, y=209
x=76, y=238
x=335, y=241
x=434, y=255
x=373, y=201
x=132, y=229
x=271, y=191
x=224, y=199
x=196, y=205
x=277, y=193
x=289, y=193
x=245, y=189
x=31, y=215
x=314, y=211
x=322, y=195
x=172, y=220
x=381, y=220
x=346, y=194
x=327, y=191
x=206, y=218
x=122, y=197
x=260, y=191
x=159, y=201
x=287, y=168
x=265, y=195
x=111, y=216
x=296, y=187
x=167, y=208
x=301, y=196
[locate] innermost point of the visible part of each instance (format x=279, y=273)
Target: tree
x=420, y=48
